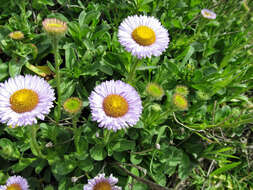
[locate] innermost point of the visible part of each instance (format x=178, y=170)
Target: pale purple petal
x=22, y=182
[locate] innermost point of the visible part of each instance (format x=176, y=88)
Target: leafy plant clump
x=88, y=101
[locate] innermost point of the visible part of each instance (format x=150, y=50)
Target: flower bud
x=155, y=90
x=16, y=35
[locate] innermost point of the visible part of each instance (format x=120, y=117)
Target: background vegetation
x=209, y=146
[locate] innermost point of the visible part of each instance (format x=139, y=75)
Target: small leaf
x=3, y=70
x=22, y=164
x=64, y=167
x=14, y=68
x=8, y=149
x=86, y=165
x=135, y=159
x=225, y=168
x=98, y=152
x=39, y=70
x=123, y=145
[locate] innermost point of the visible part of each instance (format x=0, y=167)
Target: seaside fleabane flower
x=16, y=35
x=115, y=105
x=54, y=26
x=15, y=183
x=23, y=99
x=100, y=182
x=208, y=14
x=143, y=36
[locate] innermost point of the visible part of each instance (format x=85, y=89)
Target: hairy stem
x=58, y=77
x=131, y=74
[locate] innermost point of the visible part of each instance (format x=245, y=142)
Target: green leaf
x=40, y=166
x=143, y=68
x=8, y=149
x=46, y=2
x=14, y=68
x=81, y=145
x=187, y=54
x=106, y=69
x=123, y=145
x=49, y=187
x=98, y=152
x=225, y=168
x=86, y=165
x=67, y=89
x=88, y=17
x=70, y=56
x=185, y=167
x=64, y=167
x=3, y=70
x=135, y=159
x=22, y=164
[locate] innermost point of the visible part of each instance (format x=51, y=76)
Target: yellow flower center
x=115, y=105
x=144, y=35
x=55, y=25
x=17, y=35
x=14, y=187
x=24, y=100
x=207, y=13
x=104, y=185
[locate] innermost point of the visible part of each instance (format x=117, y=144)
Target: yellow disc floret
x=115, y=105
x=14, y=187
x=17, y=35
x=104, y=185
x=24, y=100
x=207, y=13
x=144, y=35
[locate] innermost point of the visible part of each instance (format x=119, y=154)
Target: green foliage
x=208, y=146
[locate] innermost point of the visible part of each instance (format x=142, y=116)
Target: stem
x=35, y=148
x=131, y=74
x=58, y=77
x=76, y=134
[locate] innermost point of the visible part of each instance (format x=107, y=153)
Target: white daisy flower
x=23, y=99
x=115, y=105
x=143, y=36
x=208, y=14
x=100, y=182
x=15, y=183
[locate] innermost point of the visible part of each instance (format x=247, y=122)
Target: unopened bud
x=74, y=179
x=49, y=144
x=158, y=146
